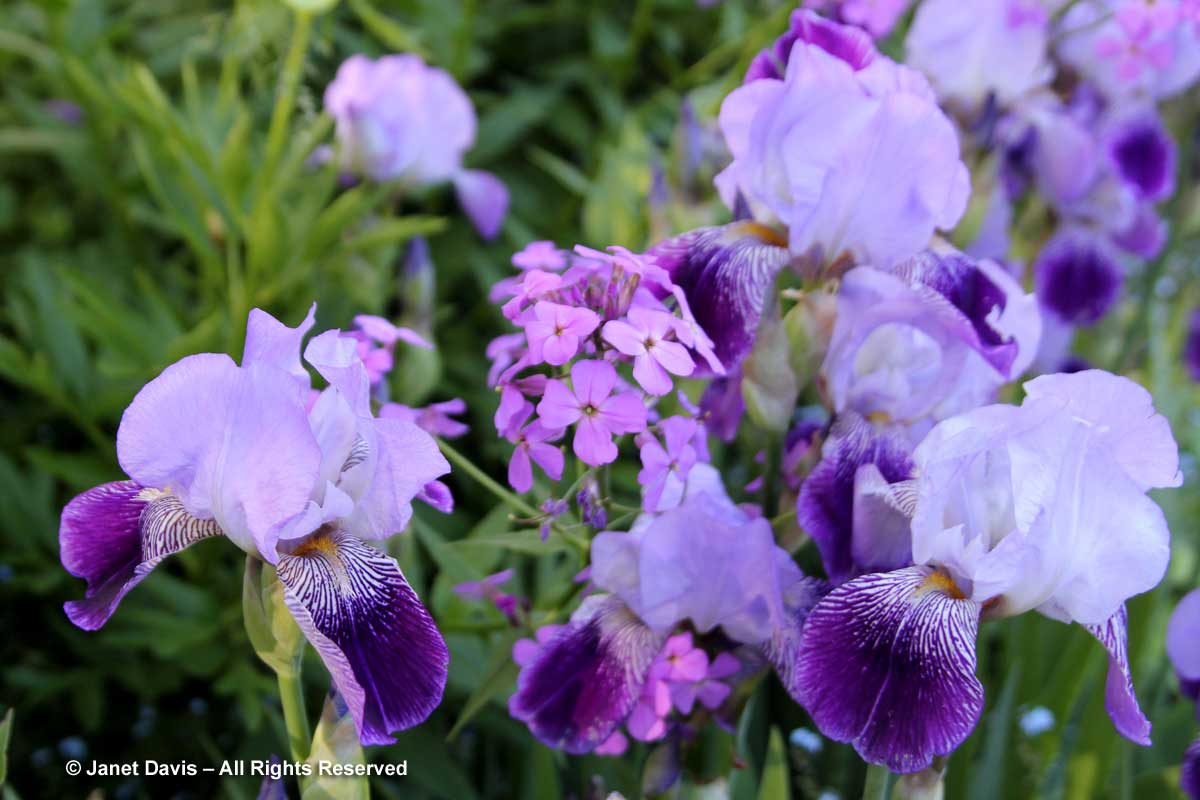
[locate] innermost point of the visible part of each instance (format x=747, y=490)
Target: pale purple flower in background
x=591, y=406
x=543, y=255
x=555, y=332
x=979, y=50
x=877, y=17
x=376, y=340
x=665, y=466
x=217, y=449
x=643, y=334
x=856, y=161
x=489, y=589
x=400, y=119
x=1183, y=644
x=1191, y=346
x=1131, y=47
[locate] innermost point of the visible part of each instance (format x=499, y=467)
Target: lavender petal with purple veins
x=1119, y=698
x=586, y=677
x=114, y=535
x=833, y=497
x=381, y=646
x=726, y=273
x=887, y=663
x=1077, y=276
x=783, y=648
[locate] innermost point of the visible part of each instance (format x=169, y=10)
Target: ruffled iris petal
x=1119, y=698
x=114, y=535
x=586, y=678
x=887, y=662
x=381, y=646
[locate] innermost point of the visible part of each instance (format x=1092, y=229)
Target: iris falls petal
x=1119, y=698
x=114, y=535
x=726, y=273
x=381, y=646
x=587, y=677
x=887, y=662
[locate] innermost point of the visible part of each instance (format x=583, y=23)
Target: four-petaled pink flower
x=710, y=689
x=642, y=334
x=1143, y=42
x=540, y=255
x=555, y=331
x=685, y=661
x=592, y=405
x=532, y=445
x=665, y=469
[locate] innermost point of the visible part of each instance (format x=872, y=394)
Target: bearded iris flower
x=299, y=478
x=1040, y=507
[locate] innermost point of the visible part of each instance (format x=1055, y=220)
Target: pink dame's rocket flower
x=591, y=406
x=665, y=466
x=555, y=331
x=1040, y=507
x=852, y=155
x=217, y=449
x=399, y=119
x=437, y=419
x=532, y=447
x=645, y=334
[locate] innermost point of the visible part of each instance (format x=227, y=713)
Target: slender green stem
x=876, y=785
x=285, y=102
x=510, y=499
x=771, y=476
x=295, y=716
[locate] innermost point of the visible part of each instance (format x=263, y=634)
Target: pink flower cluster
x=584, y=317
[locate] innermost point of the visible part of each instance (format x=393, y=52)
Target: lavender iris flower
x=300, y=479
x=399, y=119
x=1037, y=507
x=985, y=49
x=935, y=335
x=1183, y=644
x=587, y=676
x=855, y=159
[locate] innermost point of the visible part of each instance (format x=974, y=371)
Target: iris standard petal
x=381, y=646
x=586, y=678
x=485, y=199
x=406, y=460
x=270, y=342
x=114, y=535
x=887, y=662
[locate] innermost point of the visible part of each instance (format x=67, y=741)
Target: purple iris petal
x=1119, y=698
x=585, y=679
x=1191, y=348
x=1077, y=276
x=114, y=535
x=887, y=662
x=485, y=199
x=1189, y=773
x=381, y=646
x=726, y=273
x=845, y=42
x=833, y=492
x=1143, y=153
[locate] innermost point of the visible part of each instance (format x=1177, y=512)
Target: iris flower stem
x=503, y=495
x=295, y=715
x=876, y=785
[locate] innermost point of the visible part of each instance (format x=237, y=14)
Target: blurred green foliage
x=181, y=197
